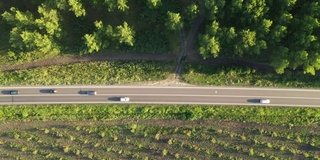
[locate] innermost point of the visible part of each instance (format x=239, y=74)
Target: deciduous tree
x=125, y=34
x=77, y=8
x=154, y=3
x=49, y=20
x=174, y=21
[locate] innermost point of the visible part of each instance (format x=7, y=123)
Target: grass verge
x=97, y=73
x=256, y=114
x=218, y=75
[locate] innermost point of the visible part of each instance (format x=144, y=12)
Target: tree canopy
x=282, y=33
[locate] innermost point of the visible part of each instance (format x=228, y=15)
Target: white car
x=124, y=99
x=266, y=101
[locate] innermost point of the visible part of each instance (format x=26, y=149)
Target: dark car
x=14, y=92
x=52, y=91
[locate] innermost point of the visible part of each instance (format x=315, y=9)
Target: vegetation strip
x=272, y=115
x=97, y=73
x=236, y=75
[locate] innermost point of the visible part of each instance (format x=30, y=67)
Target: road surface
x=162, y=95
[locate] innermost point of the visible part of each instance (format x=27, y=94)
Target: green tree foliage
x=122, y=5
x=104, y=35
x=61, y=4
x=174, y=21
x=49, y=20
x=154, y=3
x=209, y=43
x=241, y=30
x=18, y=18
x=31, y=45
x=246, y=40
x=112, y=4
x=41, y=43
x=92, y=42
x=191, y=11
x=100, y=38
x=285, y=33
x=125, y=34
x=302, y=38
x=77, y=8
x=31, y=38
x=280, y=61
x=213, y=7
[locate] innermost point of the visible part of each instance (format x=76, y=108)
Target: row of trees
x=285, y=33
x=281, y=33
x=37, y=29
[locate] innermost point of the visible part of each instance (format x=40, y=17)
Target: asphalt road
x=162, y=95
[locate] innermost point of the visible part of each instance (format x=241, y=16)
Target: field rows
x=140, y=141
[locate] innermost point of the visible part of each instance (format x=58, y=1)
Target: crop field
x=158, y=132
x=159, y=139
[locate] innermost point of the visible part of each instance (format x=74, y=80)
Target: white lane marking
x=160, y=95
x=200, y=103
x=164, y=87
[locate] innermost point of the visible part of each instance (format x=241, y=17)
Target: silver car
x=91, y=93
x=266, y=101
x=124, y=99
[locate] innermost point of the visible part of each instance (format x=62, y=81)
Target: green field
x=158, y=132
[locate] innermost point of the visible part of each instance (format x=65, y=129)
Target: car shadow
x=114, y=98
x=5, y=91
x=82, y=92
x=253, y=100
x=44, y=90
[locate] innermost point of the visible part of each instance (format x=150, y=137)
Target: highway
x=161, y=95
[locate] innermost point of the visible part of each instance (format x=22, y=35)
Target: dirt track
x=97, y=57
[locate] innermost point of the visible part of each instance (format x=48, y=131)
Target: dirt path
x=97, y=57
x=187, y=44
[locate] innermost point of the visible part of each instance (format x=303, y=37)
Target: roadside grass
x=90, y=73
x=286, y=116
x=219, y=75
x=158, y=132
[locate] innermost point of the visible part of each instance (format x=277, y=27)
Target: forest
x=283, y=34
